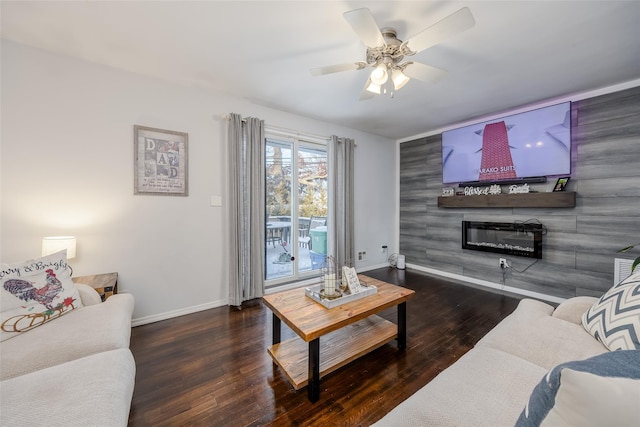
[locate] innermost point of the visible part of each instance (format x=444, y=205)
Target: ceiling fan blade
x=363, y=23
x=338, y=68
x=447, y=27
x=425, y=73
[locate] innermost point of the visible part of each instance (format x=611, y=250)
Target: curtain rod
x=228, y=117
x=284, y=131
x=294, y=133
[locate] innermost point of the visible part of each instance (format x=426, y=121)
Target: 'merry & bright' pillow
x=35, y=292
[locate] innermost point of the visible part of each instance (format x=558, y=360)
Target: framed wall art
x=160, y=162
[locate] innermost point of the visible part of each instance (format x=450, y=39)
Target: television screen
x=531, y=144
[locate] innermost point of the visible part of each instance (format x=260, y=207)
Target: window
x=296, y=207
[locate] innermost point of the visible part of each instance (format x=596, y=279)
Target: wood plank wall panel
x=413, y=199
x=581, y=243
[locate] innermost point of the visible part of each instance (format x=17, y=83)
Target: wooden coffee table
x=348, y=331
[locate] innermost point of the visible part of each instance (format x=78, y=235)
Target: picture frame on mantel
x=561, y=184
x=161, y=162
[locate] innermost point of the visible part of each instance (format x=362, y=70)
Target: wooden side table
x=105, y=284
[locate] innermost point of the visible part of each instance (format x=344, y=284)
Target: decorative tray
x=315, y=293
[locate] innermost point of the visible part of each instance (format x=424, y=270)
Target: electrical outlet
x=503, y=263
x=384, y=249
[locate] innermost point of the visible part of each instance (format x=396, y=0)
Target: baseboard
x=215, y=304
x=372, y=267
x=487, y=284
x=177, y=313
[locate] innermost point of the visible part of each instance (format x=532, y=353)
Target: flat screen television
x=535, y=143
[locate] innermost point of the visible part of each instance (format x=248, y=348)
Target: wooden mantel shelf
x=561, y=199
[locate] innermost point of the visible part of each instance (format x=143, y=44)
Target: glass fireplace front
x=520, y=239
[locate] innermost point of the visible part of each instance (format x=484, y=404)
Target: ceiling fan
x=386, y=53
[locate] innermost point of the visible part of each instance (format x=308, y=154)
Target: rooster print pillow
x=35, y=292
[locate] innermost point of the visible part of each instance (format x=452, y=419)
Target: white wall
x=67, y=168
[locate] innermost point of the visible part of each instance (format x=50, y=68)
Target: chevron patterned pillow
x=615, y=319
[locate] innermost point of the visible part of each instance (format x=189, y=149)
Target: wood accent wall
x=581, y=243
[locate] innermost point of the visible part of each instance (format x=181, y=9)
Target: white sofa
x=491, y=384
x=76, y=370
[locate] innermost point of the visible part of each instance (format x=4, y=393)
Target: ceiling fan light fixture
x=385, y=52
x=374, y=88
x=399, y=79
x=379, y=75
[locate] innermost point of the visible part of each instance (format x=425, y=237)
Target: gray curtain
x=342, y=151
x=246, y=148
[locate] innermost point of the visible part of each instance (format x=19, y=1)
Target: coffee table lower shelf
x=336, y=348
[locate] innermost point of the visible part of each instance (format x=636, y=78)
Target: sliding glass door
x=296, y=208
x=279, y=219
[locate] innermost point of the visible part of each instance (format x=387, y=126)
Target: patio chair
x=273, y=235
x=303, y=232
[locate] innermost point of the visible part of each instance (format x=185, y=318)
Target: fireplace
x=520, y=239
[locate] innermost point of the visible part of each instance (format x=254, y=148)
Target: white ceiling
x=518, y=53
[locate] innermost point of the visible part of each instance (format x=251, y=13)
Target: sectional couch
x=511, y=368
x=75, y=370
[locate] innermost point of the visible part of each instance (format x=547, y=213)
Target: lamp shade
x=373, y=88
x=379, y=75
x=55, y=244
x=399, y=79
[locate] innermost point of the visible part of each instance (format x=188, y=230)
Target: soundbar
x=516, y=181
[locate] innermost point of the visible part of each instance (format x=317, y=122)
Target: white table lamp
x=51, y=245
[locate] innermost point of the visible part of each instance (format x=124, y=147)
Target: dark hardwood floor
x=212, y=369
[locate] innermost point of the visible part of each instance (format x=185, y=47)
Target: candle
x=329, y=284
